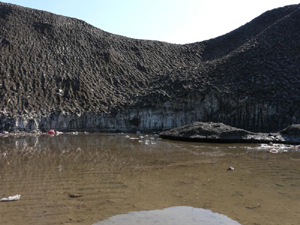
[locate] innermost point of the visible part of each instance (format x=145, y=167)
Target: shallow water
x=88, y=178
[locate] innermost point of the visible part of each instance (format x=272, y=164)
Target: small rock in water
x=273, y=151
x=230, y=168
x=11, y=198
x=75, y=195
x=58, y=133
x=133, y=138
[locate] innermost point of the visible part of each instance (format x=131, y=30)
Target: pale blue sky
x=174, y=21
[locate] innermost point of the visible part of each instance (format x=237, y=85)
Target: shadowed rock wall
x=232, y=110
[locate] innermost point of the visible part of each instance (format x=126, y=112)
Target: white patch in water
x=179, y=215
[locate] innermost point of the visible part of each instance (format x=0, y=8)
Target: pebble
x=273, y=150
x=230, y=168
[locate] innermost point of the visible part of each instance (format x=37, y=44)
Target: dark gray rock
x=293, y=129
x=291, y=133
x=219, y=132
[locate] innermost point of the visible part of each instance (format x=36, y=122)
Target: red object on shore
x=51, y=132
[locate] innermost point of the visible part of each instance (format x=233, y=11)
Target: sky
x=173, y=21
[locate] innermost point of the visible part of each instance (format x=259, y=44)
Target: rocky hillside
x=59, y=72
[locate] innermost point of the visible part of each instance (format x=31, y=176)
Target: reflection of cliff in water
x=108, y=152
x=63, y=152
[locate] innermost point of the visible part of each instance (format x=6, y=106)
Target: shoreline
x=227, y=141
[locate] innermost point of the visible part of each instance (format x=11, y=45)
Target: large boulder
x=219, y=132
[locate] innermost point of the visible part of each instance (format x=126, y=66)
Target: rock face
x=219, y=132
x=62, y=73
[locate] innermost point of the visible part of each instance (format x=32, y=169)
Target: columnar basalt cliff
x=62, y=73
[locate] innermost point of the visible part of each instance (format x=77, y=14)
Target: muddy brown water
x=89, y=178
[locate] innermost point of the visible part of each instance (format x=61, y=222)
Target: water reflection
x=171, y=216
x=85, y=178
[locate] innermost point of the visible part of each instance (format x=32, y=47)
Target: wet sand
x=83, y=179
